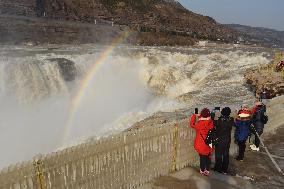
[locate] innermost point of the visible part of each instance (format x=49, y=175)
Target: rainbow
x=76, y=100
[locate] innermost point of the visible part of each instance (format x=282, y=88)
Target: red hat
x=244, y=113
x=205, y=113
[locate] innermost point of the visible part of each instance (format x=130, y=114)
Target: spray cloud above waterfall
x=35, y=100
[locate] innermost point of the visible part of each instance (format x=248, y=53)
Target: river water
x=56, y=96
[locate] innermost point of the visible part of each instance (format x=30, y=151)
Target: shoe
x=252, y=146
x=256, y=149
x=239, y=159
x=207, y=173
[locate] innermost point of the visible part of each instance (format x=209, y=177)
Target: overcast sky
x=260, y=13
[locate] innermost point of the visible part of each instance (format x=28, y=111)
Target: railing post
x=175, y=144
x=38, y=165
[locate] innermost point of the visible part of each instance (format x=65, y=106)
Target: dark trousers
x=242, y=148
x=205, y=162
x=257, y=129
x=221, y=158
x=256, y=141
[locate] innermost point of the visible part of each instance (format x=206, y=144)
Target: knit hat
x=244, y=113
x=205, y=113
x=226, y=111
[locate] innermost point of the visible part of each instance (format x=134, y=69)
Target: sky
x=259, y=13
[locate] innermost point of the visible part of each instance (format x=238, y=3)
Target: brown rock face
x=266, y=79
x=142, y=15
x=167, y=21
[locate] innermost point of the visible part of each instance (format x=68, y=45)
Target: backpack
x=211, y=138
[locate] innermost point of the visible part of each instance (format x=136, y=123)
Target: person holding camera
x=202, y=124
x=223, y=129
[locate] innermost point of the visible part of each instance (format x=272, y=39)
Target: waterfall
x=38, y=87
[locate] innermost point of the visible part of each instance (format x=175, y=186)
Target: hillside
x=261, y=35
x=161, y=22
x=34, y=31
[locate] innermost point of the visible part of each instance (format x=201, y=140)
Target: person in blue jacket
x=242, y=123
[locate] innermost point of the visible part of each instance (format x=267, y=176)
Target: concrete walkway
x=189, y=178
x=257, y=170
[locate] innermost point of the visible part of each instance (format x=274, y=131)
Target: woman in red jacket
x=202, y=124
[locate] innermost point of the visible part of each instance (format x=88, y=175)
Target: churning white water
x=38, y=84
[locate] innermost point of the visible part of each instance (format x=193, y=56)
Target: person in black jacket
x=223, y=129
x=259, y=121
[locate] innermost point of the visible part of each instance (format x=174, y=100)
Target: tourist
x=242, y=124
x=223, y=129
x=259, y=119
x=215, y=113
x=202, y=124
x=264, y=98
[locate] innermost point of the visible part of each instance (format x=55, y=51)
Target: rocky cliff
x=142, y=15
x=267, y=79
x=155, y=21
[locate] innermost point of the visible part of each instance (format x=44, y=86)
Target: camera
x=217, y=108
x=196, y=110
